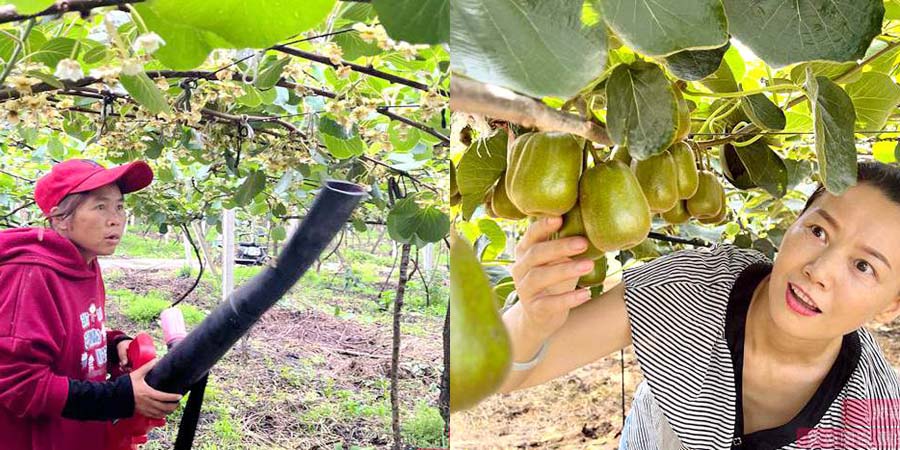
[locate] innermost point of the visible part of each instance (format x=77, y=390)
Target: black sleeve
x=103, y=400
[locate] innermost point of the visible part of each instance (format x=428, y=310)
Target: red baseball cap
x=82, y=175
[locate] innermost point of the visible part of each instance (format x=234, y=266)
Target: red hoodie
x=52, y=313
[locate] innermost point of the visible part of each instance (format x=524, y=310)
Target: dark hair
x=883, y=176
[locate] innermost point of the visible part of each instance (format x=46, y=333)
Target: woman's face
x=96, y=226
x=844, y=253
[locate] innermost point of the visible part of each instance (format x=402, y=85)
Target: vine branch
x=404, y=173
x=8, y=12
x=79, y=85
x=751, y=129
x=17, y=176
x=368, y=70
x=7, y=215
x=384, y=111
x=400, y=172
x=234, y=118
x=467, y=95
x=96, y=93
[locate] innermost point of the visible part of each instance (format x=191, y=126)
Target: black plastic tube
x=192, y=358
x=191, y=416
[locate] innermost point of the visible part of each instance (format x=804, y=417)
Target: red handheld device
x=127, y=434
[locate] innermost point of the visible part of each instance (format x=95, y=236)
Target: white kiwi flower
x=148, y=42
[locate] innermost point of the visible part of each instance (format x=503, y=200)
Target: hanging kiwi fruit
x=543, y=169
x=480, y=353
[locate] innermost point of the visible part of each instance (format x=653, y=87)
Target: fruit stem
x=584, y=156
x=695, y=149
x=698, y=152
x=595, y=155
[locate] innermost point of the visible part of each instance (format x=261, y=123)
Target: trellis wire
x=793, y=133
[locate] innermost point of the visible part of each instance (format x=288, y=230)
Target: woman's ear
x=890, y=312
x=58, y=223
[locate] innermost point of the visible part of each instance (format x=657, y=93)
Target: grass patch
x=136, y=246
x=112, y=276
x=303, y=389
x=425, y=428
x=364, y=256
x=145, y=309
x=244, y=273
x=434, y=304
x=226, y=430
x=345, y=405
x=241, y=275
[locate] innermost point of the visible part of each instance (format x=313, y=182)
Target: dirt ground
x=294, y=360
x=582, y=410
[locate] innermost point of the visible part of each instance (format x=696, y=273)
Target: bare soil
x=582, y=410
x=295, y=360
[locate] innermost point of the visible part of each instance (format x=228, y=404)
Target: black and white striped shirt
x=687, y=312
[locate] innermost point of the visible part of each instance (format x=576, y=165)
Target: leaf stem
x=844, y=76
x=771, y=83
x=10, y=35
x=15, y=56
x=707, y=124
x=116, y=38
x=75, y=49
x=748, y=141
x=140, y=20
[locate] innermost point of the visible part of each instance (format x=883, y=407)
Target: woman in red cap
x=54, y=346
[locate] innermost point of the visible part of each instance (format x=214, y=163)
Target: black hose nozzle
x=193, y=357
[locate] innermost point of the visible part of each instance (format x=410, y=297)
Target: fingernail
x=584, y=294
x=585, y=266
x=552, y=220
x=578, y=244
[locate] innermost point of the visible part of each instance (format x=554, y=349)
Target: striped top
x=687, y=311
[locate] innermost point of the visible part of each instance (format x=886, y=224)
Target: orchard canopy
x=780, y=95
x=236, y=105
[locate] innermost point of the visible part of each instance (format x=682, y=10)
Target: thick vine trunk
x=444, y=400
x=395, y=355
